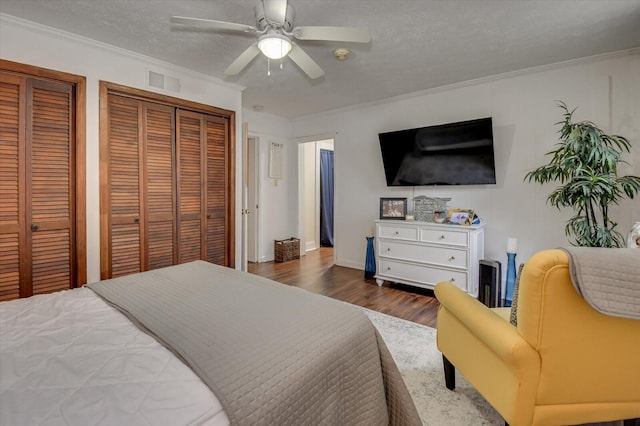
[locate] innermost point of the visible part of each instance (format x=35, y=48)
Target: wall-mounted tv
x=447, y=154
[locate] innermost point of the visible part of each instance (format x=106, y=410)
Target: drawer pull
x=441, y=237
x=452, y=258
x=388, y=268
x=396, y=233
x=453, y=280
x=388, y=248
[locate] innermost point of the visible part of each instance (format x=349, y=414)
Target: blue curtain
x=326, y=198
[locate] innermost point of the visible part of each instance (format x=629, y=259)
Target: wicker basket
x=285, y=250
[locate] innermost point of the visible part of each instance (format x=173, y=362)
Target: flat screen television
x=447, y=154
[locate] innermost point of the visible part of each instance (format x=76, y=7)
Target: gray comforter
x=271, y=353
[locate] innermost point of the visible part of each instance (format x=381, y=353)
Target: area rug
x=413, y=347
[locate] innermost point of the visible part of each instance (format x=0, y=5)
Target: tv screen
x=447, y=154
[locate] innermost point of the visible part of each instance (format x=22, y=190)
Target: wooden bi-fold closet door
x=141, y=195
x=37, y=186
x=201, y=147
x=167, y=183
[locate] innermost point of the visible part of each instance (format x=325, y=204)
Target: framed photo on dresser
x=460, y=216
x=393, y=208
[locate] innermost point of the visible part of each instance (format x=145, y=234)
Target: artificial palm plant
x=586, y=165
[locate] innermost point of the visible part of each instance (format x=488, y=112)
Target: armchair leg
x=449, y=373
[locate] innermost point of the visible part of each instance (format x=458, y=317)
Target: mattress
x=68, y=358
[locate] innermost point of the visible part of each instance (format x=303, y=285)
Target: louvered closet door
x=124, y=186
x=12, y=216
x=167, y=176
x=49, y=192
x=203, y=180
x=159, y=185
x=190, y=142
x=217, y=182
x=37, y=180
x=141, y=186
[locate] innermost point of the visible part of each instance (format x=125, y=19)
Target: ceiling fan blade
x=214, y=25
x=349, y=34
x=243, y=60
x=275, y=10
x=305, y=62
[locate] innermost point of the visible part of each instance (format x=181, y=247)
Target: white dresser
x=425, y=253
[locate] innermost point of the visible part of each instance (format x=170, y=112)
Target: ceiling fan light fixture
x=274, y=45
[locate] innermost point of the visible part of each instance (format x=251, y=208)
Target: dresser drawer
x=453, y=237
x=449, y=257
x=429, y=276
x=398, y=232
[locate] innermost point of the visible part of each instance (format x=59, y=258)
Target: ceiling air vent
x=164, y=82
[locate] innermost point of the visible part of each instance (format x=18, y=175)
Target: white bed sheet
x=68, y=358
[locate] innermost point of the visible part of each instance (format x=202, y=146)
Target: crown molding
x=6, y=19
x=481, y=80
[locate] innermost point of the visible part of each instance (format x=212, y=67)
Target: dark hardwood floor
x=316, y=273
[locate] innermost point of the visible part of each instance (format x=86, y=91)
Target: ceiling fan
x=274, y=25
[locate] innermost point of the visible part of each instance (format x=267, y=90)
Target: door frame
x=253, y=199
x=300, y=209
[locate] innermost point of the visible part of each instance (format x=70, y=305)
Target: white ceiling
x=416, y=44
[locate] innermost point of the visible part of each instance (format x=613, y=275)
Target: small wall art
x=275, y=159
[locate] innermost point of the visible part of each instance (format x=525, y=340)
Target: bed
x=194, y=344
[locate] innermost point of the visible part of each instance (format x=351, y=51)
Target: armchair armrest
x=496, y=333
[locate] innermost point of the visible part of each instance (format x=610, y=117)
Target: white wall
x=523, y=109
x=28, y=43
x=274, y=214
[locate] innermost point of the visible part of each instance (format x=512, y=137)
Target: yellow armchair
x=563, y=364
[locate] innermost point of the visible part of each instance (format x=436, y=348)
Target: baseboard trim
x=349, y=264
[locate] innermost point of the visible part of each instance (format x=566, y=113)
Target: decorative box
x=424, y=207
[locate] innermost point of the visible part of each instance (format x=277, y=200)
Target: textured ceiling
x=416, y=44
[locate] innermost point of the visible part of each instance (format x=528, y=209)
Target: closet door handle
x=136, y=220
x=209, y=216
x=34, y=227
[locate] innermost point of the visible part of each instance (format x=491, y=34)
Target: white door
x=253, y=204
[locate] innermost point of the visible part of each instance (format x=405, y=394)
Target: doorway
x=310, y=202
